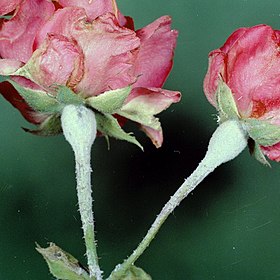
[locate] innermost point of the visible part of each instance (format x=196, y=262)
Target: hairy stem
x=79, y=128
x=227, y=142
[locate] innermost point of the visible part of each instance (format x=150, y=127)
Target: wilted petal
x=141, y=106
x=233, y=39
x=217, y=66
x=249, y=63
x=253, y=67
x=57, y=61
x=17, y=34
x=9, y=66
x=215, y=72
x=109, y=52
x=129, y=23
x=96, y=8
x=156, y=51
x=62, y=23
x=7, y=6
x=156, y=136
x=152, y=100
x=272, y=152
x=272, y=116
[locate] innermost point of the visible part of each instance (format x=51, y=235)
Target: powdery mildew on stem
x=226, y=143
x=79, y=128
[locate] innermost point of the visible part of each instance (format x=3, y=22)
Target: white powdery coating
x=226, y=143
x=79, y=126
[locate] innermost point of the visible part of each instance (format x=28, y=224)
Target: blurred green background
x=229, y=228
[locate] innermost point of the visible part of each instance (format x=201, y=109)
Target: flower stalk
x=79, y=128
x=227, y=142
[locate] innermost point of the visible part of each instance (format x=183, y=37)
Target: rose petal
x=109, y=51
x=62, y=23
x=232, y=39
x=217, y=66
x=149, y=102
x=216, y=69
x=155, y=56
x=249, y=64
x=7, y=6
x=17, y=34
x=272, y=152
x=156, y=136
x=272, y=116
x=96, y=8
x=152, y=100
x=9, y=66
x=253, y=68
x=57, y=61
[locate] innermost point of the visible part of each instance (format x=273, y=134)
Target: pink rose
x=249, y=64
x=91, y=48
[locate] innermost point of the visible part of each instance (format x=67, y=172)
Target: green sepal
x=38, y=100
x=109, y=126
x=109, y=101
x=62, y=265
x=3, y=78
x=255, y=150
x=66, y=96
x=49, y=127
x=6, y=17
x=263, y=132
x=52, y=102
x=133, y=273
x=225, y=102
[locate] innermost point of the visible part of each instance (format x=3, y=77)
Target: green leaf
x=225, y=101
x=263, y=132
x=255, y=150
x=39, y=100
x=62, y=265
x=134, y=273
x=49, y=127
x=109, y=101
x=109, y=126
